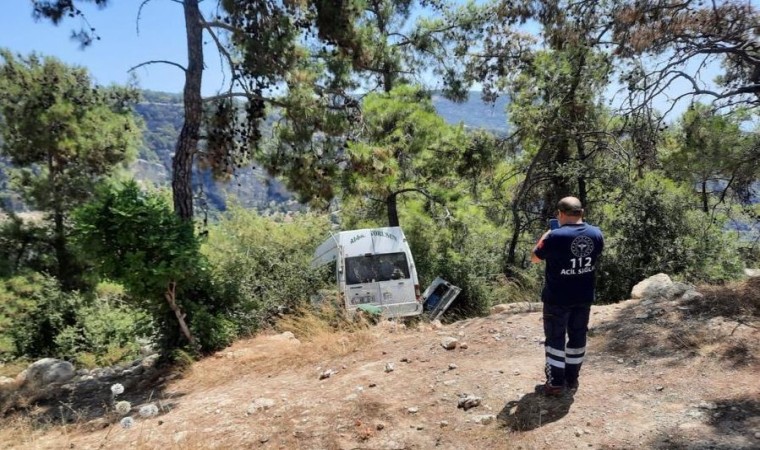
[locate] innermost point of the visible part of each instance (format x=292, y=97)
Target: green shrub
x=465, y=250
x=33, y=311
x=215, y=331
x=658, y=227
x=135, y=238
x=261, y=265
x=108, y=329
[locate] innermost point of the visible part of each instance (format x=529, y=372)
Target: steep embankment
x=671, y=370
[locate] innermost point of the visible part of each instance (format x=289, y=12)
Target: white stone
x=260, y=404
x=484, y=419
x=654, y=286
x=690, y=295
x=449, y=343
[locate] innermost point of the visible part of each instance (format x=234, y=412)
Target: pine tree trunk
x=187, y=143
x=390, y=203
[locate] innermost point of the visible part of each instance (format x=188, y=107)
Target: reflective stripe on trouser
x=564, y=358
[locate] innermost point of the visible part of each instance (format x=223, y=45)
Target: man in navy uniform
x=571, y=253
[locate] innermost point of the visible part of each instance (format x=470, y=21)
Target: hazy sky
x=161, y=37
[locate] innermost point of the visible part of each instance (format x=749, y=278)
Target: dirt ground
x=662, y=375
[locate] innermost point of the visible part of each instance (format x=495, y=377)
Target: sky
x=161, y=37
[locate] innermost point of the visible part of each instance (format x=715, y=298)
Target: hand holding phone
x=553, y=224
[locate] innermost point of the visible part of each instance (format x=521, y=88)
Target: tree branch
x=158, y=61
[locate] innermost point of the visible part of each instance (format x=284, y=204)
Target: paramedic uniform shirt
x=571, y=254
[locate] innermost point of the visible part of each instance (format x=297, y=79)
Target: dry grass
x=17, y=430
x=13, y=368
x=736, y=300
x=320, y=335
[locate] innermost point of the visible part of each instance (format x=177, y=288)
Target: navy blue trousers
x=565, y=328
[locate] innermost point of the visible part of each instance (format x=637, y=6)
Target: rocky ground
x=674, y=369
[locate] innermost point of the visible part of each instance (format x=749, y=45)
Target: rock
x=286, y=336
x=260, y=404
x=498, y=309
x=389, y=367
x=326, y=374
x=413, y=410
x=752, y=273
x=7, y=381
x=677, y=289
x=656, y=286
x=464, y=346
x=149, y=361
x=707, y=405
x=691, y=295
x=436, y=324
x=642, y=316
x=47, y=371
x=443, y=423
x=452, y=366
x=449, y=343
x=468, y=401
x=484, y=419
x=180, y=436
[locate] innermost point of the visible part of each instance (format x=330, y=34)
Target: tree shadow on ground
x=534, y=410
x=679, y=327
x=92, y=401
x=734, y=422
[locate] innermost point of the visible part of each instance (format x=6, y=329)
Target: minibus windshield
x=372, y=268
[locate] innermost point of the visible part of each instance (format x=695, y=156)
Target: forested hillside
x=251, y=186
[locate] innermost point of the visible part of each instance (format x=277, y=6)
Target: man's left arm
x=538, y=252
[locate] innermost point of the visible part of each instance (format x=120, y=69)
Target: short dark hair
x=570, y=206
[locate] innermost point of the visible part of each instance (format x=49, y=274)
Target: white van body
x=373, y=266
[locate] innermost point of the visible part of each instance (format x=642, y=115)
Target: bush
x=215, y=331
x=38, y=320
x=33, y=311
x=136, y=239
x=658, y=227
x=261, y=266
x=466, y=251
x=106, y=332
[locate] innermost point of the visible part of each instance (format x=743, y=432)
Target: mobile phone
x=553, y=224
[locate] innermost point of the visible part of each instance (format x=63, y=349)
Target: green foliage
x=105, y=332
x=25, y=245
x=38, y=320
x=33, y=311
x=656, y=228
x=261, y=265
x=62, y=135
x=133, y=237
x=215, y=331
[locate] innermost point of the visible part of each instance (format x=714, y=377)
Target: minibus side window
x=384, y=267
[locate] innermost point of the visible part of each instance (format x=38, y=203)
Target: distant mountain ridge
x=254, y=188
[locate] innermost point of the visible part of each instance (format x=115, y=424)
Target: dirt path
x=656, y=376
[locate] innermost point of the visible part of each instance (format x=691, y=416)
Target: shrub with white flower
x=148, y=410
x=117, y=389
x=123, y=407
x=127, y=422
